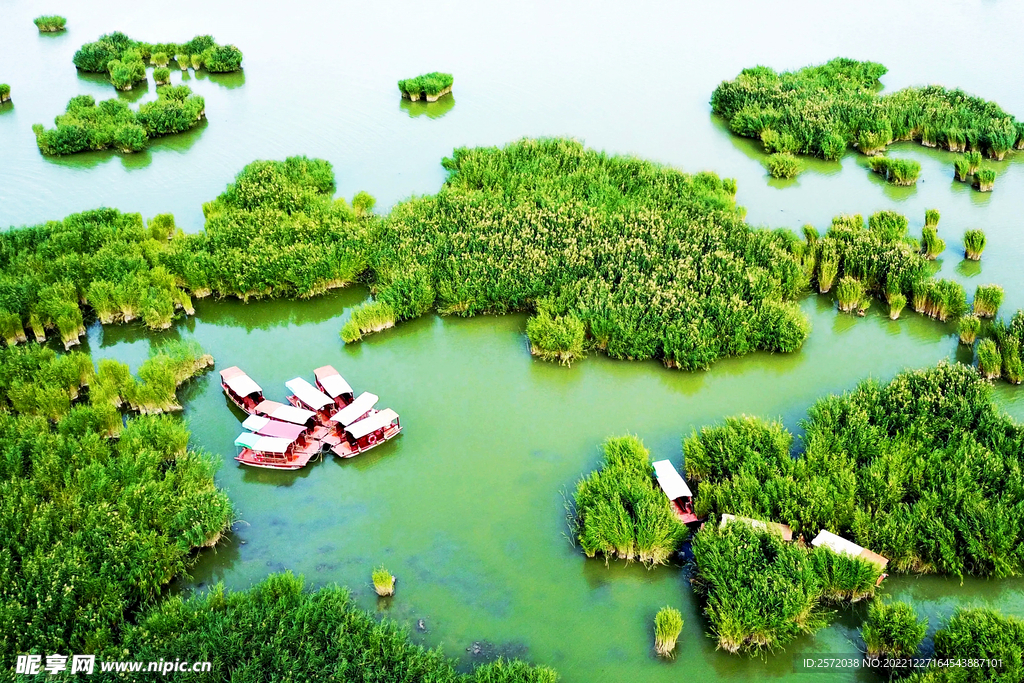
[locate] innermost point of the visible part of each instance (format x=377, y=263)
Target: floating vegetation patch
x=893, y=630
x=655, y=263
x=668, y=624
x=124, y=59
x=823, y=110
x=924, y=470
x=896, y=171
x=86, y=126
x=761, y=592
x=620, y=511
x=430, y=87
x=50, y=23
x=280, y=630
x=782, y=165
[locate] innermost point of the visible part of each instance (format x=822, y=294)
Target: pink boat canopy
x=264, y=426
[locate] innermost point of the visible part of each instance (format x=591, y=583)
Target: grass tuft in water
x=782, y=165
x=668, y=624
x=968, y=328
x=974, y=244
x=893, y=630
x=383, y=581
x=50, y=23
x=987, y=300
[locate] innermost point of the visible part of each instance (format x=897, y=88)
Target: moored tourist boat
x=675, y=487
x=264, y=426
x=299, y=416
x=305, y=395
x=274, y=453
x=840, y=545
x=362, y=406
x=367, y=433
x=330, y=382
x=241, y=389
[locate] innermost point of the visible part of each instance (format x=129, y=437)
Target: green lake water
x=466, y=507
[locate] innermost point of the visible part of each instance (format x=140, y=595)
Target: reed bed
x=782, y=165
x=50, y=23
x=128, y=57
x=978, y=633
x=931, y=244
x=987, y=300
x=966, y=165
x=924, y=470
x=162, y=75
x=893, y=630
x=823, y=110
x=86, y=126
x=849, y=292
x=431, y=86
x=985, y=180
x=931, y=217
x=990, y=361
x=654, y=262
x=557, y=338
x=968, y=328
x=279, y=630
x=974, y=244
x=5, y=93
x=620, y=511
x=895, y=171
x=1000, y=354
x=668, y=624
x=383, y=581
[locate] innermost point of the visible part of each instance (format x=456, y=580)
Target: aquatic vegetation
x=373, y=317
x=974, y=244
x=50, y=23
x=968, y=329
x=966, y=165
x=654, y=262
x=761, y=592
x=127, y=71
x=620, y=511
x=782, y=165
x=924, y=470
x=897, y=302
x=168, y=367
x=87, y=126
x=990, y=362
x=162, y=75
x=931, y=217
x=5, y=93
x=668, y=624
x=94, y=527
x=558, y=337
x=201, y=51
x=849, y=292
x=985, y=180
x=430, y=86
x=978, y=634
x=931, y=244
x=823, y=110
x=941, y=299
x=893, y=630
x=277, y=630
x=987, y=300
x=383, y=581
x=896, y=171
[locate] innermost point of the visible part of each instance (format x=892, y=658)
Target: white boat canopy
x=255, y=423
x=670, y=480
x=363, y=403
x=263, y=444
x=332, y=381
x=280, y=411
x=840, y=545
x=239, y=382
x=371, y=424
x=308, y=394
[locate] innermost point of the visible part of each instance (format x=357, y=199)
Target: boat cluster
x=325, y=417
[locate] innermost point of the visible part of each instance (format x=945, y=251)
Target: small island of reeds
x=895, y=171
x=620, y=511
x=430, y=87
x=86, y=126
x=824, y=110
x=924, y=470
x=5, y=93
x=893, y=630
x=124, y=59
x=50, y=23
x=1000, y=352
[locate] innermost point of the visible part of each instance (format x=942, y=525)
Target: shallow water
x=466, y=507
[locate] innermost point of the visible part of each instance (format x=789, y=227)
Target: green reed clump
x=383, y=581
x=931, y=244
x=201, y=51
x=966, y=165
x=968, y=329
x=843, y=578
x=897, y=302
x=5, y=93
x=940, y=299
x=556, y=338
x=990, y=361
x=278, y=629
x=86, y=126
x=931, y=217
x=985, y=180
x=982, y=635
x=823, y=110
x=162, y=75
x=367, y=319
x=50, y=23
x=656, y=263
x=924, y=470
x=896, y=171
x=782, y=165
x=168, y=367
x=893, y=630
x=430, y=86
x=849, y=292
x=94, y=528
x=620, y=511
x=987, y=300
x=974, y=244
x=668, y=624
